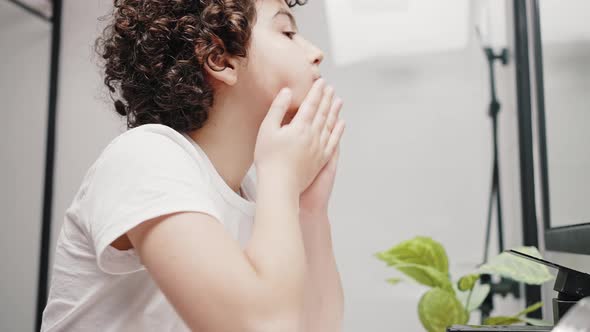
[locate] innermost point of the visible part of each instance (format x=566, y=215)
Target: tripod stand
x=505, y=286
x=494, y=109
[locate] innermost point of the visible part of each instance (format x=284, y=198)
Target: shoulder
x=150, y=137
x=154, y=153
x=149, y=146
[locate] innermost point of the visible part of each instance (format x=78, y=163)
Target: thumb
x=278, y=108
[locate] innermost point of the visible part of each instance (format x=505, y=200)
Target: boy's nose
x=317, y=55
x=319, y=58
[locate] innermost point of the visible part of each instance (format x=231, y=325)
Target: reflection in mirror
x=565, y=37
x=25, y=44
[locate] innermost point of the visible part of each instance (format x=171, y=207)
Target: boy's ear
x=222, y=68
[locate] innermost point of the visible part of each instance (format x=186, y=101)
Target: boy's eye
x=289, y=34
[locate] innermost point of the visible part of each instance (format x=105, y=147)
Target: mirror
x=25, y=44
x=565, y=43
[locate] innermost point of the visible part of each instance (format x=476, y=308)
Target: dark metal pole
x=505, y=286
x=525, y=140
x=49, y=164
x=495, y=192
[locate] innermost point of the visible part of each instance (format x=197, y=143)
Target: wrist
x=279, y=177
x=276, y=175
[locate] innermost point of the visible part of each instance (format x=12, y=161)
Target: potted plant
x=450, y=302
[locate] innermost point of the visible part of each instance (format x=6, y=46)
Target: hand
x=299, y=150
x=314, y=200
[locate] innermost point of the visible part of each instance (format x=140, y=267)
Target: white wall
x=415, y=159
x=24, y=79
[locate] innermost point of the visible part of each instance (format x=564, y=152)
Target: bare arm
x=210, y=281
x=217, y=277
x=324, y=297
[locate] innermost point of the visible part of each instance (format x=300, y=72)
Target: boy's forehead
x=269, y=10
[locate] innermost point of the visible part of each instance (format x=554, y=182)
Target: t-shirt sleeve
x=138, y=177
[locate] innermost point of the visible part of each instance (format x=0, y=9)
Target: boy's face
x=278, y=56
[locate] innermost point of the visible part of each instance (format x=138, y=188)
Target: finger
x=332, y=118
x=319, y=121
x=335, y=137
x=334, y=113
x=310, y=104
x=334, y=160
x=279, y=107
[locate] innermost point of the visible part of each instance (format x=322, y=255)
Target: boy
x=164, y=234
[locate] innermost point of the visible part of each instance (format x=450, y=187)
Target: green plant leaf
x=394, y=281
x=502, y=320
x=467, y=282
x=420, y=250
x=517, y=268
x=518, y=318
x=478, y=295
x=426, y=275
x=536, y=322
x=439, y=309
x=531, y=308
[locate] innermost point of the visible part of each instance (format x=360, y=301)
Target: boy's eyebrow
x=287, y=13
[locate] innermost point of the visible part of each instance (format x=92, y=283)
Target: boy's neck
x=228, y=138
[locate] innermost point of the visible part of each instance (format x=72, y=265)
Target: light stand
x=505, y=286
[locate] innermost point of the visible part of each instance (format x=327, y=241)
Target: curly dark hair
x=155, y=51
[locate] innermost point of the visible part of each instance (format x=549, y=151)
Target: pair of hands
x=306, y=150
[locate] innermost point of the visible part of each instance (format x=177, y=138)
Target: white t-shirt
x=148, y=171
